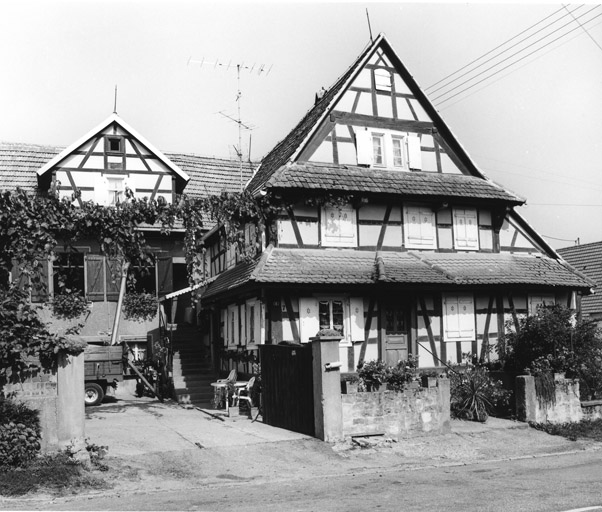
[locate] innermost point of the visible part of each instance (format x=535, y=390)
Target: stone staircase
x=192, y=374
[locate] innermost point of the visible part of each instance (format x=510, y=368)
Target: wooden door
x=395, y=332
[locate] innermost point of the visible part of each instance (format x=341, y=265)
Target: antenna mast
x=261, y=68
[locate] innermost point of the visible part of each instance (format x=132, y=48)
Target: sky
x=534, y=126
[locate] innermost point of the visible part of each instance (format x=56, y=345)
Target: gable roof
x=113, y=118
x=20, y=162
x=293, y=144
x=351, y=178
x=587, y=258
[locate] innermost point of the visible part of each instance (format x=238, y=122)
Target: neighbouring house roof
x=346, y=266
x=349, y=178
x=19, y=164
x=587, y=258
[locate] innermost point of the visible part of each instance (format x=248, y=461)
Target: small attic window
x=383, y=79
x=114, y=145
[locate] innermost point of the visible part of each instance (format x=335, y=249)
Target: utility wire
x=449, y=105
x=563, y=204
x=560, y=239
x=584, y=29
x=496, y=48
x=507, y=66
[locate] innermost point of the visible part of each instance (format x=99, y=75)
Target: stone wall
x=413, y=412
x=567, y=406
x=592, y=410
x=58, y=395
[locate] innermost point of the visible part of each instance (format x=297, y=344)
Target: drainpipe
x=124, y=273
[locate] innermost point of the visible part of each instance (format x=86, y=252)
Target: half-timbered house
x=387, y=233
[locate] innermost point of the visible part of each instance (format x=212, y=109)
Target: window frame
x=120, y=140
x=533, y=310
x=456, y=215
x=383, y=79
x=53, y=289
x=344, y=300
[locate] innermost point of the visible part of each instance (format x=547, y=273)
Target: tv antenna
x=260, y=69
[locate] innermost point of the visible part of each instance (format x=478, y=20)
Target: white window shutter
x=243, y=324
x=472, y=229
x=363, y=139
x=466, y=317
x=346, y=222
x=356, y=307
x=427, y=226
x=257, y=323
x=101, y=189
x=308, y=318
x=235, y=338
x=452, y=324
x=224, y=317
x=414, y=152
x=466, y=229
x=412, y=225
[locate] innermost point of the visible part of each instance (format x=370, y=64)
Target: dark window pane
x=324, y=313
x=337, y=316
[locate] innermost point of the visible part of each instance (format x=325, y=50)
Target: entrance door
x=395, y=328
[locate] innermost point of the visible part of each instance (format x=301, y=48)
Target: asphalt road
x=550, y=483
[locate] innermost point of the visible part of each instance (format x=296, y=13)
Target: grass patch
x=584, y=429
x=54, y=473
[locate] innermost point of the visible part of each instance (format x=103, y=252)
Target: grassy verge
x=583, y=430
x=55, y=474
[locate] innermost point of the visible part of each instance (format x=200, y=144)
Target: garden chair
x=238, y=394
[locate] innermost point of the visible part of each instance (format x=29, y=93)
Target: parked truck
x=103, y=367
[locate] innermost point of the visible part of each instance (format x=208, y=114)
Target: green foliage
x=474, y=394
x=140, y=306
x=328, y=333
x=69, y=306
x=551, y=341
x=19, y=433
x=375, y=373
x=584, y=429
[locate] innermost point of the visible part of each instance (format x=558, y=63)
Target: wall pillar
x=328, y=410
x=70, y=403
x=526, y=399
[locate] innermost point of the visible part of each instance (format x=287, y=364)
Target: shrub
x=19, y=433
x=552, y=341
x=475, y=395
x=140, y=306
x=373, y=373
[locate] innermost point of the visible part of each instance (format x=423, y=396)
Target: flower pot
x=429, y=382
x=348, y=388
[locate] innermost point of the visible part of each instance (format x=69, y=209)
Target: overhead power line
x=430, y=87
x=507, y=66
x=584, y=29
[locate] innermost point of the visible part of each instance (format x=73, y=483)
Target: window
x=394, y=150
x=378, y=150
x=458, y=318
x=331, y=315
x=466, y=229
x=232, y=325
x=116, y=189
x=339, y=227
x=114, y=145
x=68, y=273
x=537, y=301
x=253, y=323
x=143, y=279
x=419, y=228
x=383, y=79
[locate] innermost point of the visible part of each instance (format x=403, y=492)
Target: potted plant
x=373, y=374
x=349, y=383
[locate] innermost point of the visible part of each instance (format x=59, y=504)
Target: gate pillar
x=328, y=410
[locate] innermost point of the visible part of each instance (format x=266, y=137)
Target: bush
x=552, y=341
x=69, y=305
x=475, y=395
x=373, y=374
x=19, y=433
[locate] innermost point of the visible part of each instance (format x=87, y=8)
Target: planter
x=347, y=388
x=429, y=382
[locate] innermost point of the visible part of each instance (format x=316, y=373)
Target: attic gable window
x=378, y=149
x=390, y=149
x=114, y=144
x=383, y=80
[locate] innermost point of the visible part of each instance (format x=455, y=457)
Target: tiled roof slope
x=19, y=163
x=346, y=266
x=489, y=268
x=287, y=146
x=587, y=258
x=361, y=179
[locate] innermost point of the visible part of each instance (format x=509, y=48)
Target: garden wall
x=567, y=406
x=410, y=413
x=58, y=395
x=592, y=410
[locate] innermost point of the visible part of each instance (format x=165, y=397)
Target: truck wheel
x=93, y=394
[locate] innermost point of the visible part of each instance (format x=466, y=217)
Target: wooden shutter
x=427, y=226
x=308, y=318
x=363, y=139
x=466, y=229
x=459, y=317
x=356, y=307
x=257, y=322
x=540, y=300
x=95, y=277
x=39, y=291
x=414, y=152
x=113, y=279
x=17, y=277
x=165, y=274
